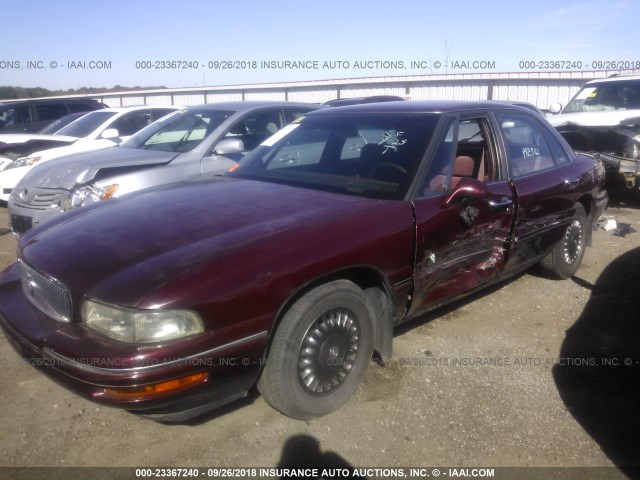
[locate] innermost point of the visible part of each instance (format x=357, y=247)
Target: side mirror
x=110, y=133
x=555, y=108
x=229, y=146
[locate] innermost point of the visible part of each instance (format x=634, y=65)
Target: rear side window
x=527, y=149
x=80, y=107
x=51, y=111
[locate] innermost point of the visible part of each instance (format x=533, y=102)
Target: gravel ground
x=472, y=385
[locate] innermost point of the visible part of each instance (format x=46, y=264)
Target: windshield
x=371, y=155
x=601, y=97
x=178, y=132
x=53, y=128
x=83, y=127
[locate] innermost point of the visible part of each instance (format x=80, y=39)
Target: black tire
x=565, y=258
x=320, y=351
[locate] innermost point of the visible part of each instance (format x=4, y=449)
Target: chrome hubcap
x=573, y=242
x=328, y=351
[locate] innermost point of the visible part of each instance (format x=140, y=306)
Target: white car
x=17, y=145
x=94, y=131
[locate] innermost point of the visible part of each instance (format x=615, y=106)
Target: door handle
x=502, y=204
x=573, y=182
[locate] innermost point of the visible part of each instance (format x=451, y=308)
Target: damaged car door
x=464, y=211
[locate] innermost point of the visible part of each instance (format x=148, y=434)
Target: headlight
x=89, y=194
x=140, y=326
x=23, y=162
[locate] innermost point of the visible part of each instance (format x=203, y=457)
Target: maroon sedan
x=291, y=271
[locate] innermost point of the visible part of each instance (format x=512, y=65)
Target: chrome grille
x=40, y=201
x=46, y=293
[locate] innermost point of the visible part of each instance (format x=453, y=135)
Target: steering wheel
x=392, y=166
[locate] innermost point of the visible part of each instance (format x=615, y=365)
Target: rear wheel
x=320, y=351
x=565, y=258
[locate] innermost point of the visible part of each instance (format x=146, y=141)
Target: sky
x=192, y=43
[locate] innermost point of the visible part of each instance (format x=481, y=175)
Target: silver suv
x=193, y=142
x=604, y=118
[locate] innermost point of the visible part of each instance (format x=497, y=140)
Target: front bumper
x=9, y=179
x=24, y=218
x=232, y=369
x=621, y=172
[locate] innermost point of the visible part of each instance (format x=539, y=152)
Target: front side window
x=15, y=116
x=256, y=127
x=527, y=149
x=372, y=155
x=464, y=151
x=295, y=113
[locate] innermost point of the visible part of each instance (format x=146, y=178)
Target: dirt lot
x=474, y=385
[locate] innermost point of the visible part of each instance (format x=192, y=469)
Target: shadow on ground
x=598, y=375
x=302, y=452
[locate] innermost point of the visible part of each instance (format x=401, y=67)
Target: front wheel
x=565, y=258
x=320, y=351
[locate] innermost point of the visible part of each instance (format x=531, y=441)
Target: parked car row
x=190, y=143
x=95, y=130
x=187, y=289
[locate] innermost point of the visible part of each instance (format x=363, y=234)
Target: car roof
x=49, y=100
x=136, y=107
x=617, y=78
x=355, y=100
x=414, y=106
x=248, y=105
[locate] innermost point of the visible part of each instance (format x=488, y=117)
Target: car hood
x=121, y=251
x=67, y=172
x=14, y=138
x=81, y=146
x=596, y=119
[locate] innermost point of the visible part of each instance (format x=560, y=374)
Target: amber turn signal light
x=108, y=193
x=147, y=392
